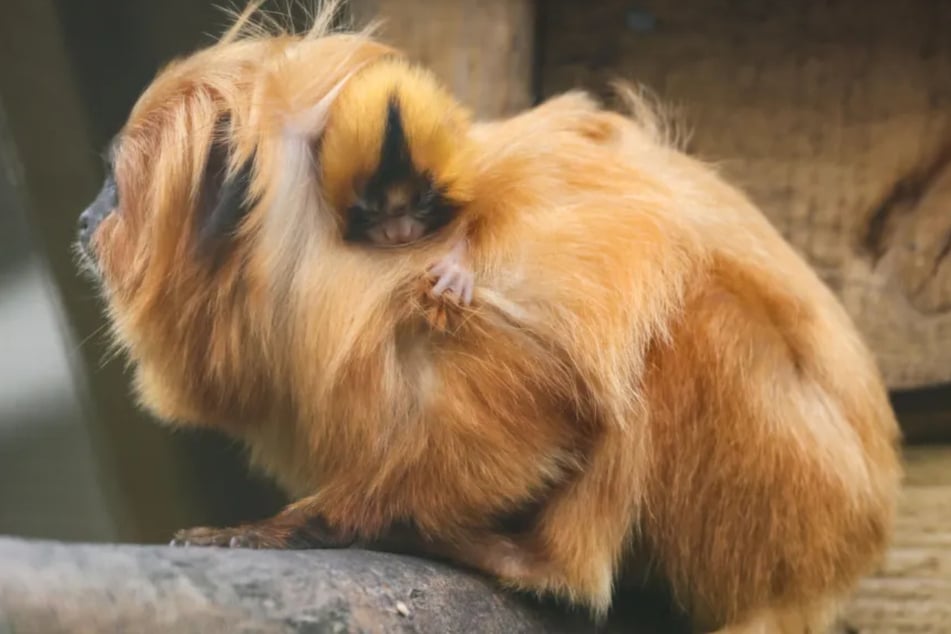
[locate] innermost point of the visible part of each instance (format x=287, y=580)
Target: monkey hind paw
x=237, y=537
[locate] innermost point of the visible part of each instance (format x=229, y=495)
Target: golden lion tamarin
x=647, y=382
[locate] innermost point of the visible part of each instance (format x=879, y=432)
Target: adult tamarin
x=648, y=382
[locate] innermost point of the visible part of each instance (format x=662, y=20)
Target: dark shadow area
x=925, y=414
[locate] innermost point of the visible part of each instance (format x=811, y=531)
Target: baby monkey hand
x=454, y=284
x=454, y=275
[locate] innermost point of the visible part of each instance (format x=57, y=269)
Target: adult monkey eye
x=111, y=191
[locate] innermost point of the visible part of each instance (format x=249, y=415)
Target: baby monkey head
x=227, y=234
x=394, y=158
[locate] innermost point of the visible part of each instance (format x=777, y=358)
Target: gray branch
x=53, y=587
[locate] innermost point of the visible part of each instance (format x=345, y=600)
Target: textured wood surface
x=835, y=116
x=54, y=588
x=483, y=49
x=912, y=591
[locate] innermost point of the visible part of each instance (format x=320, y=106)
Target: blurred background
x=834, y=115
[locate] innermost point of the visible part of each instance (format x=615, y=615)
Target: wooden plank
x=835, y=116
x=912, y=590
x=483, y=49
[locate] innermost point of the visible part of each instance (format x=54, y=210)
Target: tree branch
x=55, y=587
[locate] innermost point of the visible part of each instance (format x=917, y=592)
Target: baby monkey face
x=394, y=219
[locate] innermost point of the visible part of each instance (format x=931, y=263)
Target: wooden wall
x=483, y=49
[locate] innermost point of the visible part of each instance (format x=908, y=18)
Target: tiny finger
x=443, y=283
x=467, y=291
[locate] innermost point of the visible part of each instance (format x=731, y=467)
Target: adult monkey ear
x=223, y=197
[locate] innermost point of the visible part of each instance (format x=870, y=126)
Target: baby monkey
x=418, y=184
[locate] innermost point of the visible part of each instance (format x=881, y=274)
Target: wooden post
x=483, y=49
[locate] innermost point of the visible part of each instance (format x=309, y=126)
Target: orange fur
x=647, y=364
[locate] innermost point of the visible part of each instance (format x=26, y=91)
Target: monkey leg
x=576, y=543
x=570, y=552
x=583, y=533
x=773, y=476
x=301, y=525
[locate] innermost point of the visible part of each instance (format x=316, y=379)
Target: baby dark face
x=398, y=204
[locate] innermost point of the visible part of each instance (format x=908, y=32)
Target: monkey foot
x=291, y=529
x=237, y=537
